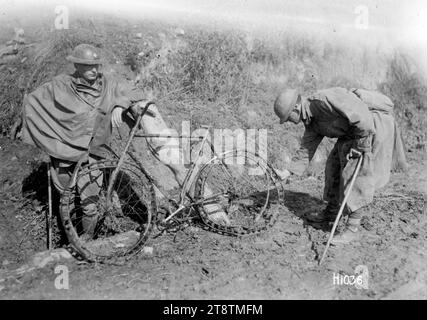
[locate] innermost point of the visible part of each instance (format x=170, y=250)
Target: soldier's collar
x=81, y=81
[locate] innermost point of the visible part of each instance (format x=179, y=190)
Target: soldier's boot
x=218, y=214
x=89, y=221
x=220, y=218
x=328, y=215
x=350, y=233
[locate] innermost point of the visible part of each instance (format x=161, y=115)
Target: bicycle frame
x=122, y=157
x=191, y=173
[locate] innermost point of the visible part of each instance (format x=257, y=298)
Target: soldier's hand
x=297, y=168
x=136, y=110
x=354, y=154
x=116, y=117
x=363, y=145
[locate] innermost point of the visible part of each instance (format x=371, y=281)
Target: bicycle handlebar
x=147, y=105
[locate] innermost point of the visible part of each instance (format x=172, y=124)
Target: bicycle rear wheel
x=236, y=192
x=124, y=217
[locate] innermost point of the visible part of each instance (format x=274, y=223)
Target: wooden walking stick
x=337, y=219
x=49, y=212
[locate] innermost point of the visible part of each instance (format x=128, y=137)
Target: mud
x=196, y=264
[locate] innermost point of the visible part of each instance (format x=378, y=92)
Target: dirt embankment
x=23, y=187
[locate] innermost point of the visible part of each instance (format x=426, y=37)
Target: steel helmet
x=285, y=103
x=85, y=54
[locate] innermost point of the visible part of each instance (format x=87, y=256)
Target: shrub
x=215, y=66
x=408, y=90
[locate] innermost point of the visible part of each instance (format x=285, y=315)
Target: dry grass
x=225, y=79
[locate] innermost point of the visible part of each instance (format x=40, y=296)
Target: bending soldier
x=364, y=124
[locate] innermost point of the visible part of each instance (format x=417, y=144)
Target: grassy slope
x=225, y=79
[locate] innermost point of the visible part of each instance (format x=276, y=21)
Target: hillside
x=226, y=78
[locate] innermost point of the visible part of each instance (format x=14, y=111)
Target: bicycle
x=128, y=206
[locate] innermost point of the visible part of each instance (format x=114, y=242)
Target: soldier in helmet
x=66, y=114
x=363, y=123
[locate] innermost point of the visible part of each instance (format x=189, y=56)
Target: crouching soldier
x=363, y=123
x=66, y=114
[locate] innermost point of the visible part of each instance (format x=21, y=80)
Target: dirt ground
x=197, y=264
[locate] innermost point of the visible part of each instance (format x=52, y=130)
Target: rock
x=39, y=260
x=193, y=229
x=297, y=168
x=19, y=32
x=5, y=263
x=283, y=174
x=18, y=38
x=285, y=156
x=249, y=115
x=137, y=79
x=179, y=32
x=148, y=250
x=8, y=50
x=43, y=258
x=138, y=35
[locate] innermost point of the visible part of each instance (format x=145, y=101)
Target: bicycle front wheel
x=235, y=193
x=101, y=225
